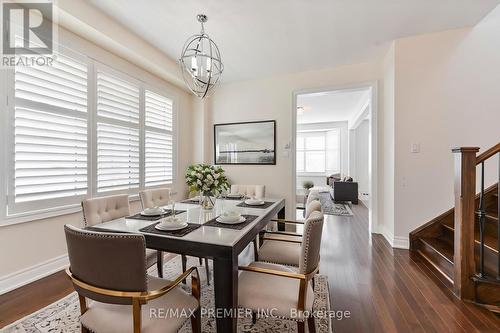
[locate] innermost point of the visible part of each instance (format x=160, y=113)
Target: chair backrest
x=311, y=243
x=107, y=260
x=313, y=206
x=258, y=191
x=313, y=195
x=155, y=197
x=99, y=210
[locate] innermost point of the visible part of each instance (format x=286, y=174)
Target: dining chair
x=110, y=270
x=258, y=191
x=284, y=247
x=280, y=290
x=104, y=209
x=161, y=197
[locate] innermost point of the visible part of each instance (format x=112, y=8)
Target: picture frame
x=245, y=143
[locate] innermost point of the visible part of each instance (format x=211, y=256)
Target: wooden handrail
x=488, y=153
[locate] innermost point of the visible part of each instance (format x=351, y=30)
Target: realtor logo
x=27, y=28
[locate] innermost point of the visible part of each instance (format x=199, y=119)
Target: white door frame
x=372, y=169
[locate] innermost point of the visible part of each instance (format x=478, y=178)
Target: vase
x=206, y=201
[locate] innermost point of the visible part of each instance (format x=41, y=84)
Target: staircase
x=462, y=245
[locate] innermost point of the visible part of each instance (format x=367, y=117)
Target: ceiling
x=339, y=105
x=262, y=38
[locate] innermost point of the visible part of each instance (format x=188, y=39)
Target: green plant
x=206, y=178
x=307, y=184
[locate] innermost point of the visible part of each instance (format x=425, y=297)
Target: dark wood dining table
x=221, y=244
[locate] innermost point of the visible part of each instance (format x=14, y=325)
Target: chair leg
x=255, y=249
x=184, y=264
x=196, y=321
x=207, y=270
x=159, y=263
x=313, y=283
x=85, y=329
x=301, y=327
x=200, y=260
x=254, y=317
x=311, y=324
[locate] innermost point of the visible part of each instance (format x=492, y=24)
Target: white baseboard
x=395, y=241
x=20, y=278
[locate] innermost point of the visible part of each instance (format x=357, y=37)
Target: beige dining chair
x=280, y=290
x=104, y=209
x=282, y=247
x=161, y=197
x=258, y=191
x=110, y=269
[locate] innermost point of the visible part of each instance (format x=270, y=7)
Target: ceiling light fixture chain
x=201, y=63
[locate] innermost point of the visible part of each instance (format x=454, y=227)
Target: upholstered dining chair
x=161, y=197
x=265, y=286
x=110, y=270
x=283, y=247
x=104, y=209
x=258, y=191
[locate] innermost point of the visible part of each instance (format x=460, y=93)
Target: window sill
x=47, y=213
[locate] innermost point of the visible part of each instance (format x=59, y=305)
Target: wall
x=361, y=152
x=446, y=96
x=272, y=98
x=32, y=249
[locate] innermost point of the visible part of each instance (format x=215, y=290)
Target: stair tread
x=489, y=241
x=440, y=246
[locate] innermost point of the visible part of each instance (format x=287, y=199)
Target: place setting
x=255, y=203
x=173, y=225
x=231, y=219
x=154, y=214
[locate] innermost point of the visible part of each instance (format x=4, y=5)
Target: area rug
x=62, y=316
x=331, y=208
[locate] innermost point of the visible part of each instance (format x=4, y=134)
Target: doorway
x=334, y=140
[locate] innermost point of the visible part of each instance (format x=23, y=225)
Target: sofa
x=343, y=189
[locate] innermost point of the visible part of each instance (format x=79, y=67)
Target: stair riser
x=438, y=261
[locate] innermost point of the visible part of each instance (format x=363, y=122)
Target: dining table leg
x=281, y=216
x=226, y=293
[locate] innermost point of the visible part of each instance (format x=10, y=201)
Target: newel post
x=465, y=194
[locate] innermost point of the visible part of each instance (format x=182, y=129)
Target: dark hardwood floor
x=383, y=289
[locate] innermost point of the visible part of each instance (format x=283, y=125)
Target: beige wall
x=446, y=95
x=25, y=245
x=271, y=99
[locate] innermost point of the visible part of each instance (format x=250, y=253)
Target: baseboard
x=20, y=278
x=394, y=241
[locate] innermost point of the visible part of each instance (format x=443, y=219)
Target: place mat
x=264, y=206
x=239, y=226
x=168, y=212
x=177, y=233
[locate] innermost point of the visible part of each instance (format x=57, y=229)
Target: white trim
x=394, y=241
x=373, y=190
x=22, y=277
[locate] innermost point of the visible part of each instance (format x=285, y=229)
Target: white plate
x=254, y=203
x=170, y=226
x=155, y=213
x=241, y=220
x=234, y=195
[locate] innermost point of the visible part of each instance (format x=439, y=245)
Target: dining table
x=208, y=239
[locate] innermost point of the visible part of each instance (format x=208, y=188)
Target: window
x=158, y=140
x=318, y=151
x=80, y=129
x=117, y=134
x=50, y=135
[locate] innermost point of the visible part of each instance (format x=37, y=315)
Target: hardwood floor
x=383, y=289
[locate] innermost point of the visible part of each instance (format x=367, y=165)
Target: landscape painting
x=245, y=143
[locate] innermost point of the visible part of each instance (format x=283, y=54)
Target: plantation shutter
x=117, y=133
x=50, y=135
x=158, y=139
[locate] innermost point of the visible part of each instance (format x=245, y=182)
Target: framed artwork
x=245, y=143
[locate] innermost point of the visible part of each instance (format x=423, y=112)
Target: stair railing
x=466, y=161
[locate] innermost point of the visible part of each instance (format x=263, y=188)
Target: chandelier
x=201, y=63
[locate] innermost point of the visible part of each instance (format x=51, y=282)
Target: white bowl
x=229, y=218
x=241, y=219
x=171, y=226
x=254, y=202
x=152, y=211
x=234, y=195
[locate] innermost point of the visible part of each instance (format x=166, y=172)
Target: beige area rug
x=62, y=316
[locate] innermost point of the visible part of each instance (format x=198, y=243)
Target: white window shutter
x=50, y=135
x=158, y=140
x=117, y=134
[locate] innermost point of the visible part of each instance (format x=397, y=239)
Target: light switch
x=415, y=148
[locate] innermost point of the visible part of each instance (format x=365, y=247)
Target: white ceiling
x=339, y=105
x=262, y=38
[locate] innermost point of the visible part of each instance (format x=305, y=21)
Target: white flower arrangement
x=206, y=179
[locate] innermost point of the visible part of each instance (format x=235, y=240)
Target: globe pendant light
x=201, y=63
